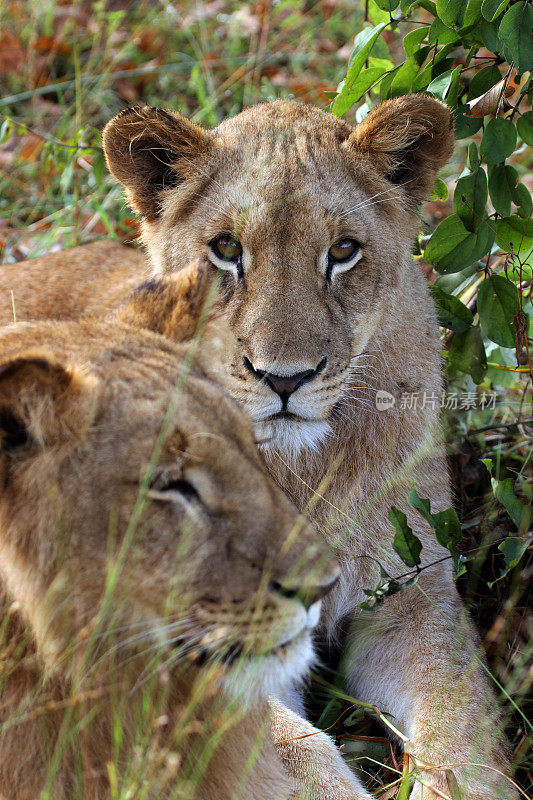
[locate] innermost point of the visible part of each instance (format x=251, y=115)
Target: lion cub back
x=91, y=280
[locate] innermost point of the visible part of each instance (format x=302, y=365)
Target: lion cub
x=152, y=601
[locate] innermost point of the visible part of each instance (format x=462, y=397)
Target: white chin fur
x=291, y=436
x=271, y=675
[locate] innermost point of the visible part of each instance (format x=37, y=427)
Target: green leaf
x=452, y=281
x=505, y=494
x=440, y=86
x=514, y=235
x=453, y=247
x=5, y=130
x=484, y=80
x=488, y=31
x=456, y=88
x=493, y=8
x=387, y=5
x=523, y=201
x=364, y=42
x=404, y=77
x=423, y=79
x=445, y=523
x=405, y=543
x=497, y=305
x=502, y=187
x=472, y=14
x=525, y=127
x=488, y=463
x=499, y=140
x=440, y=190
x=376, y=14
x=66, y=177
x=451, y=313
x=513, y=549
x=413, y=40
x=362, y=84
x=470, y=199
x=465, y=123
x=467, y=353
x=99, y=169
x=449, y=10
x=515, y=35
x=473, y=156
x=447, y=528
x=439, y=32
x=429, y=6
x=421, y=504
x=385, y=85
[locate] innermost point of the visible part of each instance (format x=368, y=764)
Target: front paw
x=310, y=756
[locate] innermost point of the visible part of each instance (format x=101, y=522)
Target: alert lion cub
x=151, y=601
x=312, y=222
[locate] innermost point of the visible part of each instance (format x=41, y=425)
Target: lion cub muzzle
x=285, y=385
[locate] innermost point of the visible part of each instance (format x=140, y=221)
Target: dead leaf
x=488, y=102
x=11, y=53
x=30, y=147
x=453, y=785
x=49, y=44
x=389, y=794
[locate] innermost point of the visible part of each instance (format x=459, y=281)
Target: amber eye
x=343, y=250
x=226, y=247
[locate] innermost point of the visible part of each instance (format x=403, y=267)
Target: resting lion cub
x=154, y=600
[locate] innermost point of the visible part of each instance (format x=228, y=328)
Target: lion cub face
x=133, y=502
x=311, y=222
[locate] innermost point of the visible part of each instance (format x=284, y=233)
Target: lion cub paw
x=310, y=756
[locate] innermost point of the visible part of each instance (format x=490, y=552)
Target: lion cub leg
x=417, y=660
x=310, y=756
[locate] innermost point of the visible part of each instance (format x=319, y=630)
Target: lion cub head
x=134, y=505
x=312, y=222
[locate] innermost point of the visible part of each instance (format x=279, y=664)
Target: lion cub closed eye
x=150, y=599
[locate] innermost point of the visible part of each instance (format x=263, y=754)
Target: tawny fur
x=101, y=274
x=81, y=406
x=287, y=181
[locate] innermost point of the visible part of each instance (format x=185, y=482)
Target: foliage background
x=67, y=66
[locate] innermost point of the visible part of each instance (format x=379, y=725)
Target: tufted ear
x=175, y=305
x=43, y=402
x=149, y=149
x=408, y=139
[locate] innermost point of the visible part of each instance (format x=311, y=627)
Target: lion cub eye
x=166, y=484
x=342, y=256
x=226, y=253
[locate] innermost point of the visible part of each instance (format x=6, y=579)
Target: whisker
x=392, y=193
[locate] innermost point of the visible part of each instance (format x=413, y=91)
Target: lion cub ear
x=408, y=139
x=178, y=305
x=185, y=308
x=43, y=403
x=149, y=150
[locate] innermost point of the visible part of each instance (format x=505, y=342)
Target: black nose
x=285, y=385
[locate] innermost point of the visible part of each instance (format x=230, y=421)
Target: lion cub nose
x=308, y=595
x=285, y=385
